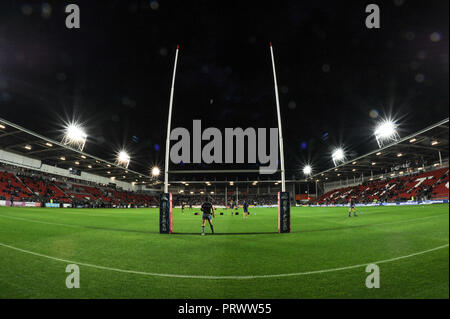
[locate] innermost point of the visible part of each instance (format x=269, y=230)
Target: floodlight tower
x=386, y=131
x=338, y=156
x=307, y=170
x=123, y=159
x=155, y=171
x=74, y=136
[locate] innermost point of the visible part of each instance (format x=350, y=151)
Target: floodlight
x=307, y=170
x=338, y=156
x=155, y=171
x=386, y=131
x=75, y=136
x=123, y=159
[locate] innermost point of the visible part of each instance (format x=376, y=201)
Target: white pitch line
x=39, y=221
x=222, y=277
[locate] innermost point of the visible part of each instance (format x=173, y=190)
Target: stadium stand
x=47, y=171
x=10, y=186
x=427, y=185
x=33, y=186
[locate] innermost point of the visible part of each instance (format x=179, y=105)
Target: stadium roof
x=19, y=140
x=419, y=149
x=426, y=147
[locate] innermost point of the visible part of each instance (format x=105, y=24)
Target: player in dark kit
x=352, y=208
x=245, y=215
x=182, y=208
x=208, y=214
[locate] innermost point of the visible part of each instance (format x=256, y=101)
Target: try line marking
x=222, y=277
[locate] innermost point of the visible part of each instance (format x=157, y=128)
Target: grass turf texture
x=321, y=239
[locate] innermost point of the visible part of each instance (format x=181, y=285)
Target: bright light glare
x=75, y=136
x=307, y=170
x=338, y=154
x=75, y=133
x=155, y=171
x=123, y=157
x=386, y=131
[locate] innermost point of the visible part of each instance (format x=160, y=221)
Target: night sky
x=336, y=78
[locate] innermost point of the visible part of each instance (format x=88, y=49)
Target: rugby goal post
x=284, y=210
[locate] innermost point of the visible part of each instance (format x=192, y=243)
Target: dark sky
x=334, y=75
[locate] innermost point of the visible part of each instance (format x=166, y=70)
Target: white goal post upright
x=280, y=135
x=166, y=165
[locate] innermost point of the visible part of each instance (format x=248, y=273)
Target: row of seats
x=11, y=186
x=35, y=188
x=428, y=185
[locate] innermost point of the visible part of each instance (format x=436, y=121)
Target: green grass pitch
x=121, y=254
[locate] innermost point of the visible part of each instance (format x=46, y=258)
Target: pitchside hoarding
x=284, y=213
x=19, y=204
x=165, y=213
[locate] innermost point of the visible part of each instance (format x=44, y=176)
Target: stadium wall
x=29, y=163
x=19, y=160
